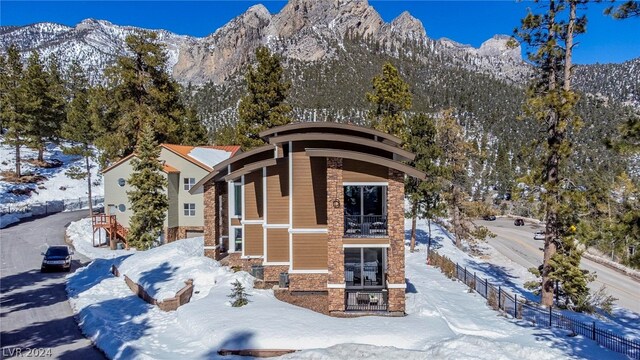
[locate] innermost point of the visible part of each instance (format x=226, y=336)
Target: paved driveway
x=34, y=311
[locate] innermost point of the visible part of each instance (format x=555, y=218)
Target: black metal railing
x=361, y=300
x=519, y=308
x=365, y=226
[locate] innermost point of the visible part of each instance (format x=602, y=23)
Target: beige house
x=183, y=167
x=322, y=203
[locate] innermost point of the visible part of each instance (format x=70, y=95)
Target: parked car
x=489, y=217
x=57, y=258
x=518, y=222
x=539, y=235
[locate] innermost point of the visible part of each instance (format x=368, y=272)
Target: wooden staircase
x=114, y=230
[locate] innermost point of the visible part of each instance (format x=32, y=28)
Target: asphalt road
x=34, y=311
x=517, y=244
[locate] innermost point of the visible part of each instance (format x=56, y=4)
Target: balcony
x=358, y=300
x=365, y=226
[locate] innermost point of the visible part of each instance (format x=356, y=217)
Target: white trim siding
x=366, y=245
x=275, y=226
x=264, y=212
x=275, y=263
x=309, y=231
x=359, y=183
x=243, y=215
x=290, y=206
x=251, y=222
x=396, y=286
x=336, y=286
x=308, y=271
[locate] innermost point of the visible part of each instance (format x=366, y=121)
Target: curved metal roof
x=330, y=125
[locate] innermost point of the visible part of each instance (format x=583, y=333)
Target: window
x=189, y=183
x=122, y=208
x=237, y=238
x=364, y=267
x=365, y=210
x=237, y=199
x=121, y=182
x=189, y=209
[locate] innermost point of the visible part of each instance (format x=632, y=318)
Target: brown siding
x=238, y=164
x=235, y=221
x=253, y=240
x=309, y=189
x=309, y=252
x=253, y=195
x=277, y=245
x=354, y=170
x=278, y=193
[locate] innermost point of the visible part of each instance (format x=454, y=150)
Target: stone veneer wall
x=211, y=231
x=170, y=234
x=335, y=227
x=395, y=255
x=308, y=282
x=271, y=272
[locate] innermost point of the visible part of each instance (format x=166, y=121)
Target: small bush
x=238, y=295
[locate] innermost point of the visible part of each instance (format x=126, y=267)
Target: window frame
x=188, y=183
x=189, y=209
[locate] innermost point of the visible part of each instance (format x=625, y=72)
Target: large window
x=364, y=267
x=365, y=211
x=189, y=183
x=237, y=199
x=189, y=209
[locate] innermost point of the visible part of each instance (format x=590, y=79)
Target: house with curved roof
x=322, y=203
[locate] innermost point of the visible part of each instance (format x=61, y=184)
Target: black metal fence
x=520, y=308
x=365, y=225
x=357, y=300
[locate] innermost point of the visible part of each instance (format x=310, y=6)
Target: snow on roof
x=209, y=156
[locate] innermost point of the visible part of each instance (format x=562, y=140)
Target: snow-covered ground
x=444, y=320
x=56, y=181
x=80, y=234
x=511, y=276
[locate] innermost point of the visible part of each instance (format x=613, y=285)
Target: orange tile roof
x=169, y=169
x=184, y=150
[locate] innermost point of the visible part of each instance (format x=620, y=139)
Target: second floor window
x=189, y=209
x=237, y=199
x=188, y=183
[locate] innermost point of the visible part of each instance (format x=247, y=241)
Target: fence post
x=593, y=331
x=550, y=316
x=499, y=296
x=457, y=271
x=486, y=288
x=515, y=306
x=475, y=281
x=465, y=276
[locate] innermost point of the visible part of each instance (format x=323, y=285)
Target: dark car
x=489, y=217
x=57, y=258
x=518, y=222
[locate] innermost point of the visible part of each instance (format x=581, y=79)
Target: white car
x=539, y=235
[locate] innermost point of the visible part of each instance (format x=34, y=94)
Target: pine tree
x=12, y=109
x=40, y=125
x=390, y=98
x=193, y=132
x=551, y=101
x=424, y=196
x=142, y=91
x=238, y=295
x=627, y=9
x=148, y=198
x=55, y=104
x=78, y=128
x=264, y=106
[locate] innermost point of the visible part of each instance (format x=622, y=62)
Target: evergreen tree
x=264, y=106
x=627, y=9
x=56, y=102
x=238, y=295
x=40, y=124
x=142, y=91
x=551, y=101
x=193, y=132
x=391, y=98
x=148, y=198
x=79, y=129
x=12, y=109
x=424, y=196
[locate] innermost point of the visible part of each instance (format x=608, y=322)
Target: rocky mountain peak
x=498, y=46
x=407, y=25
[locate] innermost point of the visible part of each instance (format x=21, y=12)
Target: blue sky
x=468, y=22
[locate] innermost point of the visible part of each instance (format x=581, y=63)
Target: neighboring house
x=183, y=167
x=323, y=202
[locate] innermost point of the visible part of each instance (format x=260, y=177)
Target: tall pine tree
x=148, y=198
x=551, y=101
x=390, y=98
x=78, y=128
x=40, y=125
x=264, y=106
x=424, y=196
x=12, y=107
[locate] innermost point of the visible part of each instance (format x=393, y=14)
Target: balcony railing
x=365, y=226
x=366, y=300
